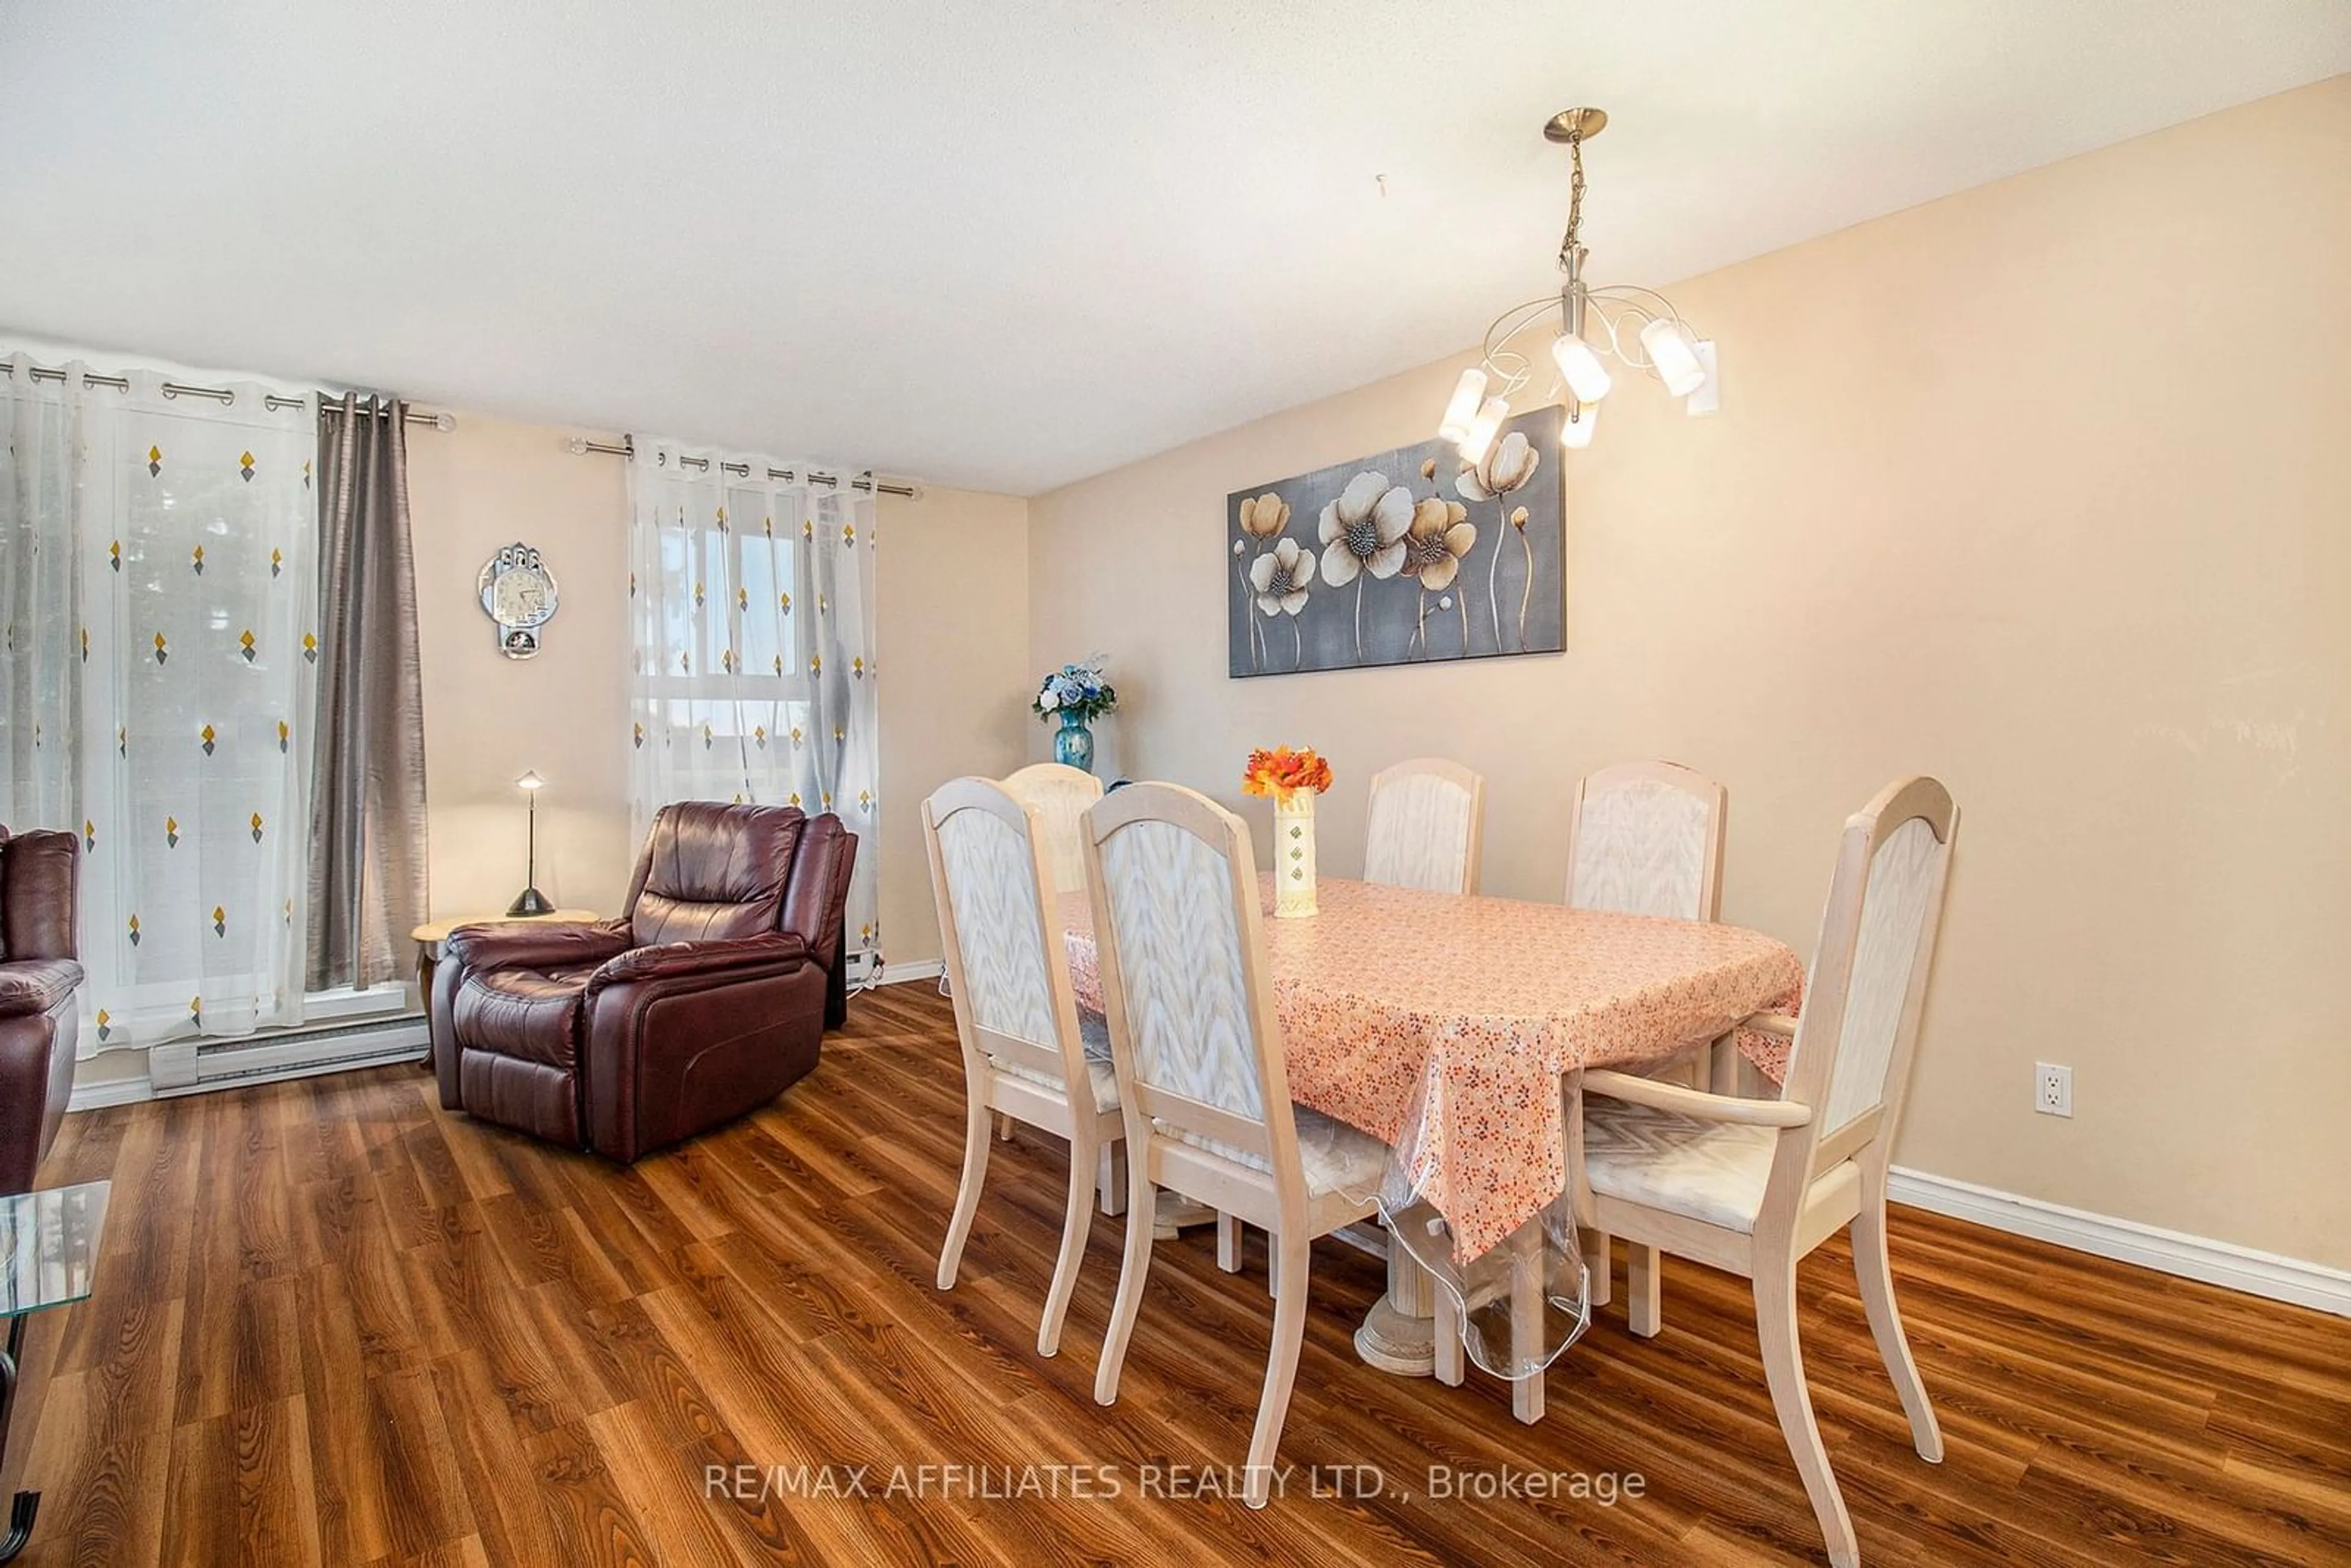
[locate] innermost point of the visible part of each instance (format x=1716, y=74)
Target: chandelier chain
x=1574, y=204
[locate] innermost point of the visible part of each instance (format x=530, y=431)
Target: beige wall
x=1996, y=494
x=952, y=591
x=487, y=717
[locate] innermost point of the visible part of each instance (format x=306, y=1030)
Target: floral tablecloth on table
x=1442, y=1024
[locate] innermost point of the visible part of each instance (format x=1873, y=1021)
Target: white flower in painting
x=1511, y=462
x=1363, y=530
x=1047, y=700
x=1281, y=576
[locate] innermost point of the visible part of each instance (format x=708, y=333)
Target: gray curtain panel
x=367, y=823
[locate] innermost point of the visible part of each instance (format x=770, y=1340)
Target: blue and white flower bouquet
x=1077, y=689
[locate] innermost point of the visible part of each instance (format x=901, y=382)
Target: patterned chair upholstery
x=1646, y=839
x=1425, y=826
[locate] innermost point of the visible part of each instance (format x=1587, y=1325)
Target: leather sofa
x=704, y=1000
x=38, y=976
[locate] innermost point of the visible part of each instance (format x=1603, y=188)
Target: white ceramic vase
x=1293, y=855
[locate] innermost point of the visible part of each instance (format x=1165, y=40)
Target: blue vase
x=1073, y=743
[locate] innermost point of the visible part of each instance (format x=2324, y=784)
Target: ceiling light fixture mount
x=1573, y=125
x=1638, y=328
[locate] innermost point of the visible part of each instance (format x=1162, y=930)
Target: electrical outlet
x=2052, y=1089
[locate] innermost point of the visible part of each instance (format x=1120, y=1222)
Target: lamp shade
x=1669, y=345
x=1462, y=412
x=1575, y=425
x=1483, y=429
x=1585, y=376
x=530, y=780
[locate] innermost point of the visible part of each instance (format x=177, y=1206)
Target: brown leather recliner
x=38, y=976
x=706, y=1001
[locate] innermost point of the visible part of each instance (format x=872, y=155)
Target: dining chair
x=1201, y=1075
x=1016, y=1012
x=1061, y=794
x=1645, y=838
x=1426, y=827
x=1752, y=1185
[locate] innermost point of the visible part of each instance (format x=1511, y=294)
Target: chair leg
x=1142, y=1204
x=1783, y=1368
x=1599, y=1261
x=1723, y=1068
x=1109, y=1179
x=1527, y=1322
x=1228, y=1242
x=1272, y=1265
x=1003, y=1127
x=966, y=1204
x=1447, y=1329
x=1644, y=1298
x=1281, y=1363
x=1875, y=1275
x=1075, y=1224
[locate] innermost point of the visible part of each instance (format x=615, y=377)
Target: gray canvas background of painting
x=1504, y=594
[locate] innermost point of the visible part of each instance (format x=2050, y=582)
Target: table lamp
x=532, y=901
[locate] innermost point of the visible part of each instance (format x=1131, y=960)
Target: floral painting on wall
x=1406, y=556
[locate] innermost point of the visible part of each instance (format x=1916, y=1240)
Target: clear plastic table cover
x=1521, y=1302
x=1539, y=1264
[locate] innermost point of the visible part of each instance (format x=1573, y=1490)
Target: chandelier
x=1637, y=327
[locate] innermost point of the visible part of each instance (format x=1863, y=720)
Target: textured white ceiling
x=998, y=245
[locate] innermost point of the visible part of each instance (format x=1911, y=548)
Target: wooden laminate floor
x=337, y=1325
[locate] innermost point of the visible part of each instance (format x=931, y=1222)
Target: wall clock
x=518, y=593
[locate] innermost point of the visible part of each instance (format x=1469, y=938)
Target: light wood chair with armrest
x=1645, y=838
x=1016, y=1012
x=1201, y=1073
x=1426, y=827
x=1752, y=1185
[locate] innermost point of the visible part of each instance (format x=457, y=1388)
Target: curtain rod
x=627, y=448
x=270, y=401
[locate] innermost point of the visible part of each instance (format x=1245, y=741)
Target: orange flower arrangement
x=1282, y=772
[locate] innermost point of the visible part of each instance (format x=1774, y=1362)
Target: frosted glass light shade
x=1585, y=376
x=1575, y=425
x=1669, y=346
x=1462, y=412
x=1483, y=429
x=1707, y=397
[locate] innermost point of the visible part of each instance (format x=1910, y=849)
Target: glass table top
x=48, y=1246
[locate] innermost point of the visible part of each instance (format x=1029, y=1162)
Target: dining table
x=1448, y=1026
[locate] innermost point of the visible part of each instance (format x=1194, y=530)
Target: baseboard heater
x=194, y=1066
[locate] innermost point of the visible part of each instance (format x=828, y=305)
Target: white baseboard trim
x=2223, y=1264
x=897, y=973
x=110, y=1091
